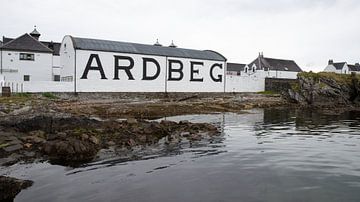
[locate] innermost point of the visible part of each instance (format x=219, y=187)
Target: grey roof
x=26, y=43
x=339, y=65
x=135, y=48
x=235, y=67
x=354, y=68
x=52, y=45
x=276, y=64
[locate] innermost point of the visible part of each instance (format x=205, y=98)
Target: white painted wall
x=56, y=61
x=331, y=68
x=280, y=74
x=245, y=83
x=14, y=69
x=38, y=86
x=67, y=58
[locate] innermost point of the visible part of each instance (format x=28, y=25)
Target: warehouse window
x=56, y=77
x=26, y=77
x=27, y=56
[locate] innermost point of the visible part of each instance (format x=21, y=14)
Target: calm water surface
x=264, y=155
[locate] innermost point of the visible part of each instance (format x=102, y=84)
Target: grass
x=268, y=92
x=49, y=95
x=339, y=78
x=4, y=145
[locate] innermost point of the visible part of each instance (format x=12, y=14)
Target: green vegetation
x=339, y=78
x=49, y=95
x=17, y=98
x=295, y=87
x=268, y=92
x=4, y=145
x=22, y=94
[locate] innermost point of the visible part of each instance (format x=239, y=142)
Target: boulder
x=10, y=187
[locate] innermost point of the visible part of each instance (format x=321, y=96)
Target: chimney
x=157, y=43
x=35, y=34
x=172, y=45
x=331, y=62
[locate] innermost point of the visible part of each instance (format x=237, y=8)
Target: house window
x=56, y=77
x=27, y=56
x=26, y=77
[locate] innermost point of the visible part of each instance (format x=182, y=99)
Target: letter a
x=89, y=67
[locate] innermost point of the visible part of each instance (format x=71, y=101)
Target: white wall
x=244, y=83
x=39, y=70
x=67, y=57
x=56, y=61
x=38, y=86
x=94, y=83
x=280, y=74
x=331, y=68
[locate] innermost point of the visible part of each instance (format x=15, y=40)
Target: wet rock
x=325, y=90
x=10, y=187
x=13, y=148
x=70, y=150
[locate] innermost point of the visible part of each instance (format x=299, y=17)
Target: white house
x=273, y=68
x=94, y=65
x=26, y=59
x=342, y=67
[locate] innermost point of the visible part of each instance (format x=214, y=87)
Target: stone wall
x=278, y=85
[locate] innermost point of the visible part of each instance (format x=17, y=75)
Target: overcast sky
x=307, y=31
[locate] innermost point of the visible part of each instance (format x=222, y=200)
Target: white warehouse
x=93, y=65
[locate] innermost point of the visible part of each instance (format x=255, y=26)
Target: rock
x=13, y=148
x=94, y=140
x=185, y=134
x=34, y=139
x=325, y=90
x=29, y=154
x=21, y=110
x=38, y=133
x=69, y=150
x=27, y=145
x=131, y=121
x=10, y=187
x=84, y=136
x=111, y=143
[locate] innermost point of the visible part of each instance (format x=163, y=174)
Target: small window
x=27, y=56
x=56, y=77
x=26, y=77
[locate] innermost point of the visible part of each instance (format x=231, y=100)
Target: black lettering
x=89, y=67
x=125, y=68
x=145, y=76
x=193, y=71
x=171, y=70
x=219, y=79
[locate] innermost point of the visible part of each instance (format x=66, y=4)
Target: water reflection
x=262, y=155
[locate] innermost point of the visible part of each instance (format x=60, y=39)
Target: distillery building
x=94, y=65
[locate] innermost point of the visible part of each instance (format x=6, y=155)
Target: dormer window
x=27, y=56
